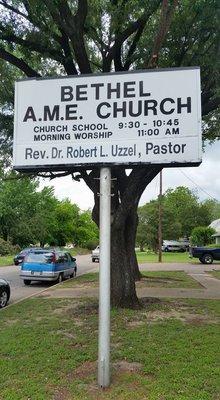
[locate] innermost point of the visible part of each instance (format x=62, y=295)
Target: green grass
x=174, y=279
x=90, y=279
x=78, y=251
x=6, y=260
x=48, y=351
x=170, y=279
x=216, y=274
x=149, y=256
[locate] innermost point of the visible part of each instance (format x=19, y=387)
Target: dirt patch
x=198, y=320
x=182, y=315
x=120, y=369
x=11, y=322
x=146, y=301
x=82, y=310
x=62, y=394
x=125, y=366
x=149, y=279
x=78, y=322
x=69, y=335
x=61, y=310
x=135, y=324
x=85, y=370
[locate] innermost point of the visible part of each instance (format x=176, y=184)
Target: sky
x=205, y=180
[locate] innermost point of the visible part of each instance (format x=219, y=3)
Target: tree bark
x=126, y=191
x=123, y=292
x=130, y=238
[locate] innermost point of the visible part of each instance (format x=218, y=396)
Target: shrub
x=7, y=248
x=91, y=244
x=202, y=235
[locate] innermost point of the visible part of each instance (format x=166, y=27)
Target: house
x=216, y=225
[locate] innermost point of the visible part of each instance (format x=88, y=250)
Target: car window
x=42, y=258
x=69, y=256
x=65, y=256
x=60, y=258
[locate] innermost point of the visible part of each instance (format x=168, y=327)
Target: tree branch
x=138, y=179
x=133, y=47
x=74, y=27
x=36, y=45
x=19, y=63
x=210, y=105
x=115, y=51
x=11, y=8
x=165, y=22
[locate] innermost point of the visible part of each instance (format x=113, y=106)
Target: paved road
x=19, y=291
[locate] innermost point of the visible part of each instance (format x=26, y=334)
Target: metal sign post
x=104, y=279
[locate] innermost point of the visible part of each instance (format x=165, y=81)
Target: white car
x=173, y=245
x=95, y=254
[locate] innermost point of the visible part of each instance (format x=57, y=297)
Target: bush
x=7, y=248
x=91, y=244
x=202, y=235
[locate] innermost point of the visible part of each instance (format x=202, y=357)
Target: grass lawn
x=6, y=260
x=166, y=351
x=149, y=256
x=170, y=279
x=174, y=279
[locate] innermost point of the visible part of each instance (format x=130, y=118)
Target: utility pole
x=160, y=221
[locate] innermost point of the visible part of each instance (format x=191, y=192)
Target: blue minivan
x=47, y=265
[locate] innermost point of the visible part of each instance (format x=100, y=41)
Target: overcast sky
x=205, y=179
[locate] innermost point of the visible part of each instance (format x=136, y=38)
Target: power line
x=190, y=179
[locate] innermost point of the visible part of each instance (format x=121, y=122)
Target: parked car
x=19, y=258
x=47, y=265
x=95, y=254
x=173, y=245
x=206, y=255
x=4, y=293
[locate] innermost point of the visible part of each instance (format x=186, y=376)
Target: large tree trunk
x=124, y=267
x=130, y=240
x=126, y=193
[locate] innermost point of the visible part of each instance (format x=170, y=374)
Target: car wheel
x=207, y=259
x=27, y=282
x=3, y=298
x=60, y=278
x=93, y=259
x=166, y=249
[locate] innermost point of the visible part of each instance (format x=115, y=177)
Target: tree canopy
x=29, y=216
x=182, y=213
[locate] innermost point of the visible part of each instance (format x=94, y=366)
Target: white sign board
x=141, y=117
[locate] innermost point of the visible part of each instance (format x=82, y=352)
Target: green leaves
x=28, y=215
x=182, y=212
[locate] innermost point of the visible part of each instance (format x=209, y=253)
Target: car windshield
x=42, y=258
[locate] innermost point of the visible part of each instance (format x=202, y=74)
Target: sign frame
x=77, y=166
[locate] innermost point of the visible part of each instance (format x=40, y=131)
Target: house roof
x=216, y=225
